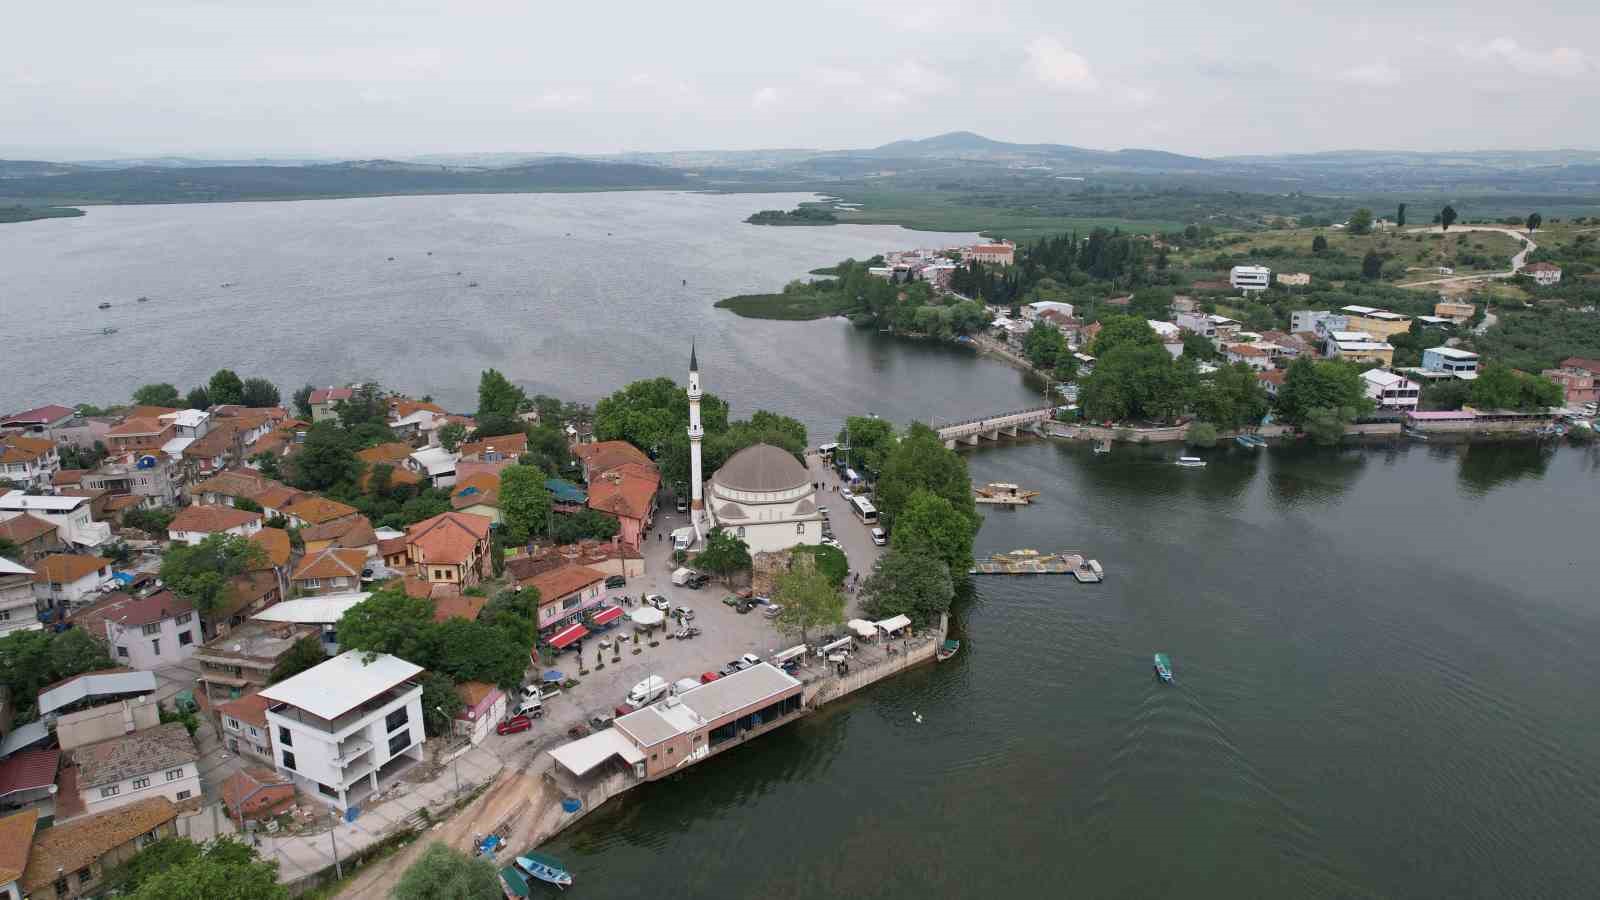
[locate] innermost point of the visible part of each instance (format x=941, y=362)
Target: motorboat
x=1250, y=441
x=1191, y=462
x=1163, y=667
x=950, y=648
x=105, y=306
x=1102, y=446
x=144, y=300
x=545, y=869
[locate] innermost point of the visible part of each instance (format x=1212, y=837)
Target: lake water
x=1382, y=655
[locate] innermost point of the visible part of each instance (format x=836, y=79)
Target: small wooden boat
x=105, y=306
x=108, y=331
x=144, y=300
x=545, y=869
x=227, y=284
x=950, y=648
x=1103, y=445
x=1191, y=462
x=1163, y=668
x=472, y=284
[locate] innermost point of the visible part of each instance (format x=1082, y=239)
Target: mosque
x=762, y=493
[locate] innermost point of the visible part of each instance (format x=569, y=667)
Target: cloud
x=912, y=77
x=1057, y=68
x=560, y=100
x=831, y=77
x=1374, y=74
x=1558, y=62
x=764, y=98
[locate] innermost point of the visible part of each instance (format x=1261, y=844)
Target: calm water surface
x=1383, y=656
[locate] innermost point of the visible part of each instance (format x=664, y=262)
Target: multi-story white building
x=63, y=579
x=1450, y=359
x=343, y=728
x=28, y=461
x=1317, y=321
x=17, y=612
x=151, y=632
x=156, y=762
x=1391, y=391
x=1250, y=278
x=72, y=516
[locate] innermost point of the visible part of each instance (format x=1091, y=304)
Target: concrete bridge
x=993, y=426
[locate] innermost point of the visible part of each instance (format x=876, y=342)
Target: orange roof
x=474, y=692
x=625, y=490
x=484, y=489
x=448, y=538
x=1246, y=350
x=24, y=528
x=216, y=442
x=139, y=427
x=390, y=452
x=275, y=542
x=16, y=839
x=458, y=606
x=316, y=509
x=211, y=519
x=505, y=445
x=68, y=476
x=404, y=407
x=333, y=562
x=607, y=455
x=65, y=568
x=15, y=448
x=119, y=502
x=354, y=531
x=1276, y=376
x=251, y=708
x=392, y=546
x=68, y=847
x=556, y=583
x=417, y=587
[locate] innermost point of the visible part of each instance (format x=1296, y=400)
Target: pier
x=1032, y=562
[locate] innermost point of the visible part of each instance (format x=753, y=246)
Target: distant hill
x=966, y=145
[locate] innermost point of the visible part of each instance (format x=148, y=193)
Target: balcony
x=352, y=749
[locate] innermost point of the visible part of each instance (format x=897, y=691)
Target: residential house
x=275, y=543
x=188, y=423
x=325, y=400
x=18, y=611
x=1032, y=310
x=140, y=436
x=1294, y=279
x=306, y=510
x=151, y=476
x=1455, y=310
x=330, y=571
x=1380, y=323
x=393, y=550
x=72, y=516
x=248, y=593
x=34, y=537
x=478, y=495
x=449, y=548
x=450, y=603
x=65, y=478
x=255, y=794
x=1000, y=254
x=482, y=705
x=565, y=591
x=91, y=690
x=1391, y=391
x=241, y=662
x=227, y=488
x=244, y=730
x=16, y=840
x=348, y=533
x=628, y=493
x=346, y=728
x=1461, y=363
x=1251, y=355
x=41, y=422
x=220, y=446
x=607, y=455
x=28, y=462
x=27, y=782
x=135, y=709
x=61, y=580
x=1286, y=345
x=152, y=632
x=160, y=761
x=419, y=424
x=282, y=441
x=1357, y=346
x=395, y=455
x=1579, y=379
x=194, y=524
x=509, y=447
x=69, y=860
x=1545, y=274
x=438, y=464
x=1250, y=279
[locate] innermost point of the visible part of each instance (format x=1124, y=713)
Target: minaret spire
x=696, y=434
x=694, y=364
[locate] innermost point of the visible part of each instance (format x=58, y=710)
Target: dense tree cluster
x=202, y=573
x=33, y=660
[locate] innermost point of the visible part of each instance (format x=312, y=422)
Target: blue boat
x=1164, y=668
x=1250, y=441
x=545, y=869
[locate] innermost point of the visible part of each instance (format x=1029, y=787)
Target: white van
x=532, y=706
x=647, y=691
x=878, y=537
x=684, y=684
x=683, y=539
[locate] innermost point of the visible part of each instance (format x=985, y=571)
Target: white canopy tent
x=863, y=628
x=785, y=655
x=647, y=617
x=583, y=755
x=896, y=623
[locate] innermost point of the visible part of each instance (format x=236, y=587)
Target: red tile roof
x=448, y=538
x=275, y=541
x=211, y=519
x=330, y=394
x=505, y=445
x=556, y=583
x=1541, y=267
x=458, y=606
x=24, y=528
x=351, y=531
x=161, y=605
x=392, y=452
x=66, y=568
x=40, y=415
x=1578, y=362
x=607, y=455
x=16, y=448
x=251, y=708
x=30, y=770
x=68, y=847
x=479, y=489
x=625, y=490
x=333, y=562
x=139, y=427
x=64, y=477
x=214, y=443
x=315, y=509
x=16, y=840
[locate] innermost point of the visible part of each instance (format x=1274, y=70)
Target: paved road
x=1517, y=261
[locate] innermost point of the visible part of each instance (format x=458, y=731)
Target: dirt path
x=1517, y=261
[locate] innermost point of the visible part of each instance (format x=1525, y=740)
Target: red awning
x=567, y=635
x=608, y=614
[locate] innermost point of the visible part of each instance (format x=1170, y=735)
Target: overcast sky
x=337, y=77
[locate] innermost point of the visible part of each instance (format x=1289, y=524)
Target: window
x=327, y=791
x=288, y=760
x=111, y=791
x=741, y=534
x=85, y=877
x=395, y=719
x=122, y=652
x=339, y=581
x=175, y=774
x=312, y=584
x=399, y=742
x=186, y=618
x=254, y=732
x=5, y=615
x=799, y=528
x=285, y=737
x=184, y=795
x=153, y=629
x=140, y=784
x=185, y=638
x=572, y=601
x=155, y=647
x=230, y=723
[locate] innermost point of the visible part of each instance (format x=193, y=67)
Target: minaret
x=696, y=481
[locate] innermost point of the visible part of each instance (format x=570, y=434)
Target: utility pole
x=338, y=870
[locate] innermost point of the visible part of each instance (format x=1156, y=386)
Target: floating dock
x=1032, y=562
x=1000, y=493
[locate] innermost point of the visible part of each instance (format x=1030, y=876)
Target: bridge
x=992, y=427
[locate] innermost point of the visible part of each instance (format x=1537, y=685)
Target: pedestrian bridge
x=992, y=427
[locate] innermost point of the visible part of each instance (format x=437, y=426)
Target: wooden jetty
x=1032, y=562
x=1001, y=493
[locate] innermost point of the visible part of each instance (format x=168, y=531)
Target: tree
x=159, y=394
x=647, y=413
x=868, y=439
x=497, y=396
x=1319, y=244
x=306, y=653
x=922, y=462
x=810, y=600
x=525, y=503
x=1044, y=345
x=326, y=458
x=1361, y=221
x=725, y=554
x=1328, y=384
x=224, y=869
x=198, y=398
x=1447, y=217
x=225, y=387
x=1116, y=331
x=830, y=561
x=1498, y=386
x=9, y=549
x=302, y=401
x=390, y=621
x=1371, y=265
x=1231, y=398
x=164, y=854
x=908, y=583
x=1199, y=346
x=1139, y=380
x=73, y=652
x=365, y=406
x=587, y=523
x=1534, y=221
x=200, y=573
x=548, y=448
x=259, y=393
x=444, y=874
x=1400, y=216
x=931, y=525
x=451, y=436
x=1326, y=424
x=440, y=703
x=1201, y=434
x=548, y=409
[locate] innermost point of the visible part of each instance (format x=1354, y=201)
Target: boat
x=1250, y=441
x=950, y=648
x=144, y=300
x=227, y=284
x=545, y=869
x=1191, y=462
x=1103, y=445
x=1414, y=434
x=108, y=331
x=472, y=284
x=1164, y=668
x=105, y=306
x=1089, y=572
x=1004, y=493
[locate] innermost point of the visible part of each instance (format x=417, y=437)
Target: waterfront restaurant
x=665, y=737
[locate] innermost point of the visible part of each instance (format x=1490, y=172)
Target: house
x=194, y=524
x=140, y=435
x=275, y=544
x=1461, y=363
x=18, y=611
x=478, y=495
x=348, y=727
x=65, y=579
x=449, y=548
x=152, y=632
x=565, y=591
x=330, y=571
x=1294, y=279
x=28, y=781
x=450, y=603
x=91, y=690
x=493, y=449
x=628, y=493
x=1454, y=310
x=1317, y=321
x=34, y=537
x=72, y=516
x=1357, y=346
x=1286, y=345
x=1579, y=379
x=604, y=456
x=16, y=840
x=1032, y=310
x=244, y=729
x=108, y=716
x=482, y=705
x=438, y=464
x=217, y=448
x=241, y=662
x=1000, y=254
x=151, y=476
x=1391, y=391
x=1166, y=331
x=395, y=455
x=1380, y=323
x=1545, y=274
x=40, y=422
x=423, y=423
x=69, y=860
x=28, y=462
x=248, y=593
x=227, y=488
x=1251, y=355
x=256, y=794
x=1250, y=279
x=349, y=533
x=323, y=402
x=160, y=761
x=313, y=509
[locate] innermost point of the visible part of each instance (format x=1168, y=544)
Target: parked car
x=683, y=614
x=823, y=510
x=729, y=669
x=683, y=505
x=773, y=611
x=532, y=707
x=830, y=542
x=616, y=581
x=878, y=537
x=698, y=581
x=846, y=493
x=647, y=691
x=540, y=691
x=708, y=677
x=659, y=602
x=748, y=660
x=514, y=725
x=744, y=607
x=730, y=600
x=687, y=632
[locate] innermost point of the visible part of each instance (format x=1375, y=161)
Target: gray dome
x=762, y=469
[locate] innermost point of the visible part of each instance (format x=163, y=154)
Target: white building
x=28, y=461
x=1449, y=359
x=1167, y=331
x=1032, y=310
x=63, y=579
x=1250, y=278
x=71, y=516
x=17, y=612
x=156, y=762
x=1391, y=391
x=1317, y=321
x=344, y=728
x=190, y=423
x=1545, y=274
x=765, y=496
x=438, y=464
x=152, y=632
x=194, y=524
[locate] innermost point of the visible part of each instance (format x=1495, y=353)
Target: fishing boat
x=1103, y=445
x=144, y=300
x=227, y=284
x=1163, y=668
x=1250, y=441
x=108, y=330
x=545, y=869
x=105, y=306
x=472, y=284
x=950, y=648
x=1191, y=462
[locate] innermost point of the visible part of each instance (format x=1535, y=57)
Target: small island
x=30, y=213
x=809, y=214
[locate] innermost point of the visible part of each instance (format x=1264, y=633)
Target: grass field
x=1407, y=256
x=929, y=211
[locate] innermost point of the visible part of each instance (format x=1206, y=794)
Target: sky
x=91, y=78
